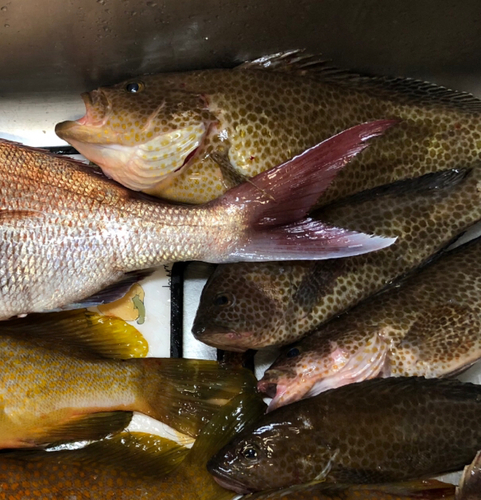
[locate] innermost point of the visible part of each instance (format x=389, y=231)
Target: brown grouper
x=430, y=326
x=189, y=136
x=251, y=306
x=376, y=431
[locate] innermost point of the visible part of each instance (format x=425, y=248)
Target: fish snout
x=267, y=388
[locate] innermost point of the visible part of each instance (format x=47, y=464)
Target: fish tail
x=186, y=393
x=276, y=202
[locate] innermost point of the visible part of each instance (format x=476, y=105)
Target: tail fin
x=470, y=484
x=276, y=202
x=186, y=393
x=229, y=421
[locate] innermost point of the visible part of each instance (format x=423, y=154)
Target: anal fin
x=87, y=427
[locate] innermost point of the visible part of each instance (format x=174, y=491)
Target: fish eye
x=222, y=300
x=250, y=453
x=134, y=87
x=293, y=352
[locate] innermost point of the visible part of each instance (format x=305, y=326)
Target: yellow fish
x=190, y=136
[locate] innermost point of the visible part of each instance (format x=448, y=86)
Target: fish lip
x=223, y=480
x=222, y=338
x=73, y=129
x=267, y=387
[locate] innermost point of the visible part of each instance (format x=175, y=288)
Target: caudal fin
x=277, y=201
x=186, y=393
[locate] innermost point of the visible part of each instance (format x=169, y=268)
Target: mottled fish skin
x=376, y=431
x=48, y=396
x=251, y=306
x=429, y=327
x=420, y=490
x=160, y=138
x=67, y=232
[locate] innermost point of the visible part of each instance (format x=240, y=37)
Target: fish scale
x=376, y=431
x=67, y=232
x=278, y=303
x=261, y=114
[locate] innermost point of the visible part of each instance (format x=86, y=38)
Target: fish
x=73, y=392
x=72, y=238
x=470, y=484
x=430, y=326
x=129, y=466
x=418, y=490
x=256, y=305
x=189, y=136
x=376, y=431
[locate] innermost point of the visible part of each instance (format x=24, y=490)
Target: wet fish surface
x=51, y=396
x=189, y=136
x=376, y=431
x=251, y=306
x=430, y=326
x=129, y=467
x=470, y=484
x=420, y=490
x=72, y=238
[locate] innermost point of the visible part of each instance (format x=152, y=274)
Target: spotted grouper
x=430, y=326
x=190, y=136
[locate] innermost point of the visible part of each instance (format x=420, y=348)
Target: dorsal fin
x=413, y=90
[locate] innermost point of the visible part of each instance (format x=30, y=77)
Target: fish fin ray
x=110, y=293
x=314, y=66
x=229, y=421
x=307, y=240
x=80, y=333
x=84, y=427
x=188, y=392
x=286, y=193
x=428, y=184
x=153, y=456
x=283, y=195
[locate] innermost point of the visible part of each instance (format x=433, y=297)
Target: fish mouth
x=97, y=109
x=225, y=338
x=229, y=483
x=286, y=394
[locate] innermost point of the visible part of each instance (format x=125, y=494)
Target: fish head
x=328, y=359
x=140, y=132
x=269, y=455
x=241, y=306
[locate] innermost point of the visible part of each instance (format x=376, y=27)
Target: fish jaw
x=338, y=368
x=139, y=159
x=222, y=338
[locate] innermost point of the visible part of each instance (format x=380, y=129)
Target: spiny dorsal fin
x=413, y=90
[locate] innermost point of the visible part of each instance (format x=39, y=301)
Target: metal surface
x=54, y=49
x=71, y=45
